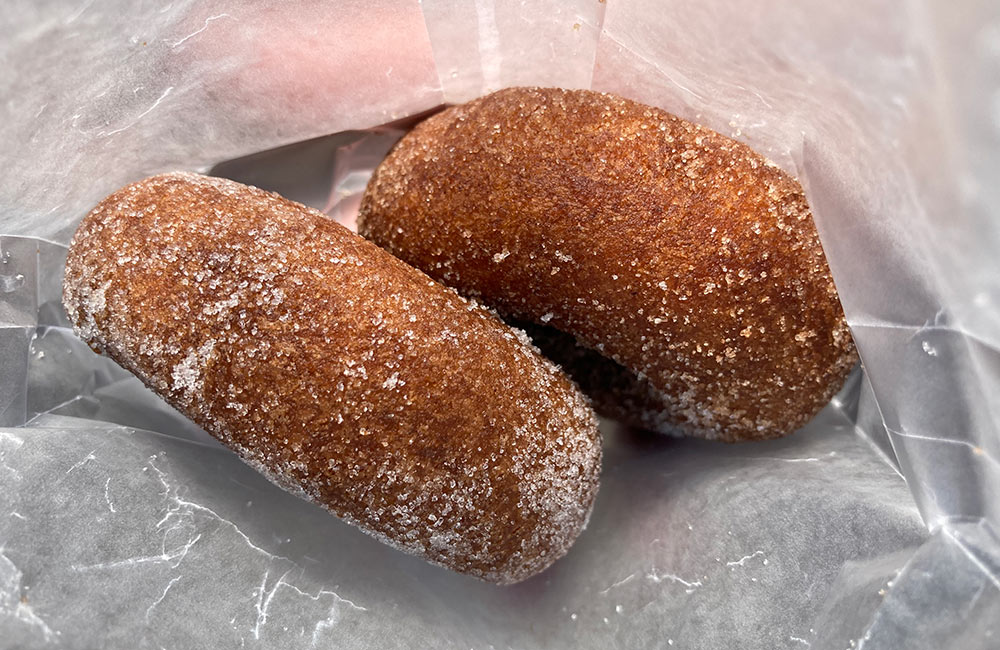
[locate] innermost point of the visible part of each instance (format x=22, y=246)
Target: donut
x=676, y=252
x=344, y=375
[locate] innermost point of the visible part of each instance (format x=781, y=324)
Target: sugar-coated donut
x=338, y=371
x=675, y=251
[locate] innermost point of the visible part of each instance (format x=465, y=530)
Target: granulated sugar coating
x=673, y=250
x=340, y=372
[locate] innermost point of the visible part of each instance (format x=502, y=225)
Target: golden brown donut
x=673, y=250
x=339, y=372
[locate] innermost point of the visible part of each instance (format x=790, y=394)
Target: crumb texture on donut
x=675, y=251
x=340, y=372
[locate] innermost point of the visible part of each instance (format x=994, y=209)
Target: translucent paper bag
x=124, y=525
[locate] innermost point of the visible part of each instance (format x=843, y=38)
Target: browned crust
x=340, y=372
x=671, y=249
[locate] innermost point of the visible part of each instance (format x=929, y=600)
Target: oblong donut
x=338, y=371
x=677, y=252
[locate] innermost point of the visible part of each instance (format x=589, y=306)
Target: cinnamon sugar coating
x=675, y=251
x=338, y=371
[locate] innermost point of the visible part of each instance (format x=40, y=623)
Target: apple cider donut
x=339, y=372
x=671, y=249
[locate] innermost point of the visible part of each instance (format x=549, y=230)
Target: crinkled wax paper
x=122, y=525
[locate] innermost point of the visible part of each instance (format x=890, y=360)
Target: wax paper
x=123, y=525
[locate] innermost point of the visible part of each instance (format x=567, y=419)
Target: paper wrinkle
x=863, y=103
x=489, y=44
x=9, y=443
x=13, y=602
x=671, y=77
x=149, y=610
x=128, y=92
x=937, y=568
x=695, y=561
x=483, y=46
x=658, y=577
x=196, y=32
x=183, y=526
